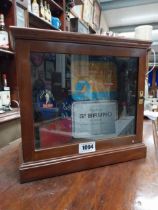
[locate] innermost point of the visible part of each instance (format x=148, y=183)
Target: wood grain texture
x=126, y=186
x=52, y=167
x=58, y=36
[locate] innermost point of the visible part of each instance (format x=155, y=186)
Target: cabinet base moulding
x=36, y=170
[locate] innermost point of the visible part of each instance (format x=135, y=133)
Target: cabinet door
x=99, y=105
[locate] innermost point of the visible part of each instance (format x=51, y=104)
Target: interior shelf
x=37, y=22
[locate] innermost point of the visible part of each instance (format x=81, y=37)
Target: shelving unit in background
x=78, y=13
x=16, y=14
x=57, y=10
x=37, y=22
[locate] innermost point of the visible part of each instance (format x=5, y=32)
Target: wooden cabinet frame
x=37, y=164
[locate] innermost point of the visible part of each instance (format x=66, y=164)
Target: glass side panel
x=78, y=98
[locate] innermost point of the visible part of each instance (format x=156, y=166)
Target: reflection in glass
x=77, y=98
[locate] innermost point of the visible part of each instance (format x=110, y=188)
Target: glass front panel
x=79, y=98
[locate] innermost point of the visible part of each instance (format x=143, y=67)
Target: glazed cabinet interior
x=81, y=100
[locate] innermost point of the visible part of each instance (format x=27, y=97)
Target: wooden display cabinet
x=97, y=119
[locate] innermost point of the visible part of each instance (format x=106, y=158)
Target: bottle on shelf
x=42, y=11
x=45, y=10
x=35, y=8
x=29, y=5
x=5, y=94
x=49, y=13
x=124, y=110
x=4, y=41
x=4, y=82
x=4, y=77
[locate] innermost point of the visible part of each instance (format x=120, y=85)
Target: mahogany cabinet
x=81, y=100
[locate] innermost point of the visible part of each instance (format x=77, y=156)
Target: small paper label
x=87, y=147
x=91, y=119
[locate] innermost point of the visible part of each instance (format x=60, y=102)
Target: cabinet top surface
x=72, y=37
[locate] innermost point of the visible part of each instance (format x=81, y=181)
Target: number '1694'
x=87, y=147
